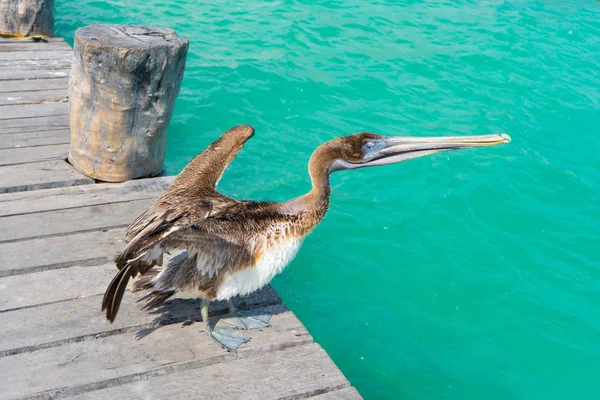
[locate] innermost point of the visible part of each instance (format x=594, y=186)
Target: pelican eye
x=369, y=146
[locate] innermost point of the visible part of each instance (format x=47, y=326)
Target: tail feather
x=114, y=292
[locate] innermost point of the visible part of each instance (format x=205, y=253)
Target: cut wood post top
x=122, y=90
x=128, y=36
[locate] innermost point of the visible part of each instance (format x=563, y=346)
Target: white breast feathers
x=274, y=259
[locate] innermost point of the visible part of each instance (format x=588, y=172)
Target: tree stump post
x=27, y=17
x=122, y=90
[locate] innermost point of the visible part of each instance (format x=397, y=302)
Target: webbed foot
x=226, y=333
x=228, y=338
x=248, y=320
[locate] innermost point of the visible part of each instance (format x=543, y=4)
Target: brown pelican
x=229, y=247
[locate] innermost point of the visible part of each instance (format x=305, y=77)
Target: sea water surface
x=465, y=275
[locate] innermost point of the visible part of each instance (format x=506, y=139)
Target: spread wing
x=191, y=197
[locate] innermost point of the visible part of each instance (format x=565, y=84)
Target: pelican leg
x=228, y=338
x=246, y=320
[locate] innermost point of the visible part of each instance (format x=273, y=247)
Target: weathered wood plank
x=55, y=63
x=102, y=362
x=18, y=74
x=34, y=124
x=33, y=154
x=87, y=248
x=42, y=96
x=46, y=223
x=55, y=285
x=42, y=175
x=33, y=110
x=38, y=55
x=34, y=85
x=93, y=247
x=39, y=138
x=79, y=196
x=34, y=46
x=349, y=393
x=14, y=40
x=56, y=324
x=294, y=373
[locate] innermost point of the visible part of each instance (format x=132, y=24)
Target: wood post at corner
x=122, y=91
x=27, y=17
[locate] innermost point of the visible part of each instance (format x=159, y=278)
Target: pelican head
x=370, y=150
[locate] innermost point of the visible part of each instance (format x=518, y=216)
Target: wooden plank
x=34, y=46
x=15, y=40
x=346, y=394
x=79, y=196
x=32, y=110
x=87, y=248
x=46, y=223
x=293, y=373
x=42, y=175
x=42, y=96
x=56, y=324
x=81, y=366
x=90, y=248
x=34, y=124
x=38, y=55
x=54, y=63
x=49, y=73
x=40, y=138
x=34, y=85
x=33, y=154
x=54, y=285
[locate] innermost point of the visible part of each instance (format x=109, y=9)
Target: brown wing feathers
x=198, y=179
x=189, y=198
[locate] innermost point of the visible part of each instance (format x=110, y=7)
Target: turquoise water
x=464, y=275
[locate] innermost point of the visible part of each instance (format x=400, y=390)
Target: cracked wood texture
x=59, y=235
x=27, y=17
x=122, y=92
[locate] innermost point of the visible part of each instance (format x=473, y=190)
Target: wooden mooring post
x=27, y=17
x=122, y=91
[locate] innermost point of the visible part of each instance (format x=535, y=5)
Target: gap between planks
x=15, y=87
x=81, y=196
x=33, y=154
x=19, y=111
x=81, y=219
x=40, y=175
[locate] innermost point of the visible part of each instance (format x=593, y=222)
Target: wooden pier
x=59, y=232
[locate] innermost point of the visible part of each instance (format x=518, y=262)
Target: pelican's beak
x=401, y=148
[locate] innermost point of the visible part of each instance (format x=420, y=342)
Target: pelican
x=228, y=247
